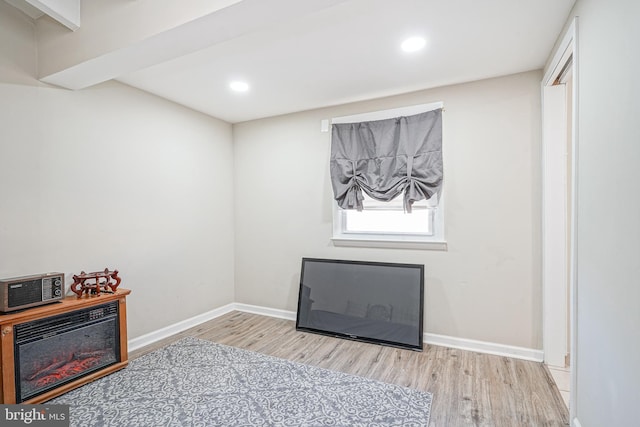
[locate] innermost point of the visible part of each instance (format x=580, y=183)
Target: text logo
x=34, y=415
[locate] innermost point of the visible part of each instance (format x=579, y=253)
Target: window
x=386, y=224
x=389, y=218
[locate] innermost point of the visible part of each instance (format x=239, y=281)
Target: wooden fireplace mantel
x=69, y=304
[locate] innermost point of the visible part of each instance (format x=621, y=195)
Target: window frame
x=435, y=241
x=395, y=208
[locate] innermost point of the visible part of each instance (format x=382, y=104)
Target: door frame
x=566, y=51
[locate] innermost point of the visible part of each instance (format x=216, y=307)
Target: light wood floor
x=469, y=389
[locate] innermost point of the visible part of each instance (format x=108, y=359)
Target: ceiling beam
x=227, y=23
x=25, y=7
x=66, y=12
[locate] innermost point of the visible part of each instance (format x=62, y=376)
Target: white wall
x=608, y=213
x=114, y=177
x=486, y=286
x=18, y=56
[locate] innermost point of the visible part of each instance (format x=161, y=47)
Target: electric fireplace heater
x=56, y=350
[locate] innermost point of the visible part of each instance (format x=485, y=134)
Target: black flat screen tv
x=365, y=301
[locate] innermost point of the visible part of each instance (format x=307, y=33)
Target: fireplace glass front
x=53, y=351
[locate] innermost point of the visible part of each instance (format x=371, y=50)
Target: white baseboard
x=165, y=332
x=433, y=339
x=485, y=347
x=576, y=423
x=266, y=311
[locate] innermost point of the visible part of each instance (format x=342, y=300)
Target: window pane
x=388, y=221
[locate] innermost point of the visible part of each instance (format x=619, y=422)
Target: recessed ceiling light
x=239, y=86
x=413, y=44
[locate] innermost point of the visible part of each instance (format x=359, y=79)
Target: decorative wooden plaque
x=95, y=282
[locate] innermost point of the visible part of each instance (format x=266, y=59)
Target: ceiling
x=349, y=51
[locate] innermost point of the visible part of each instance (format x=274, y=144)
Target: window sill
x=389, y=243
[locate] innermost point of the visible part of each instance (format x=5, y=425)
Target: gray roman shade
x=386, y=158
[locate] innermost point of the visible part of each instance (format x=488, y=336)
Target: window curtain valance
x=386, y=158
